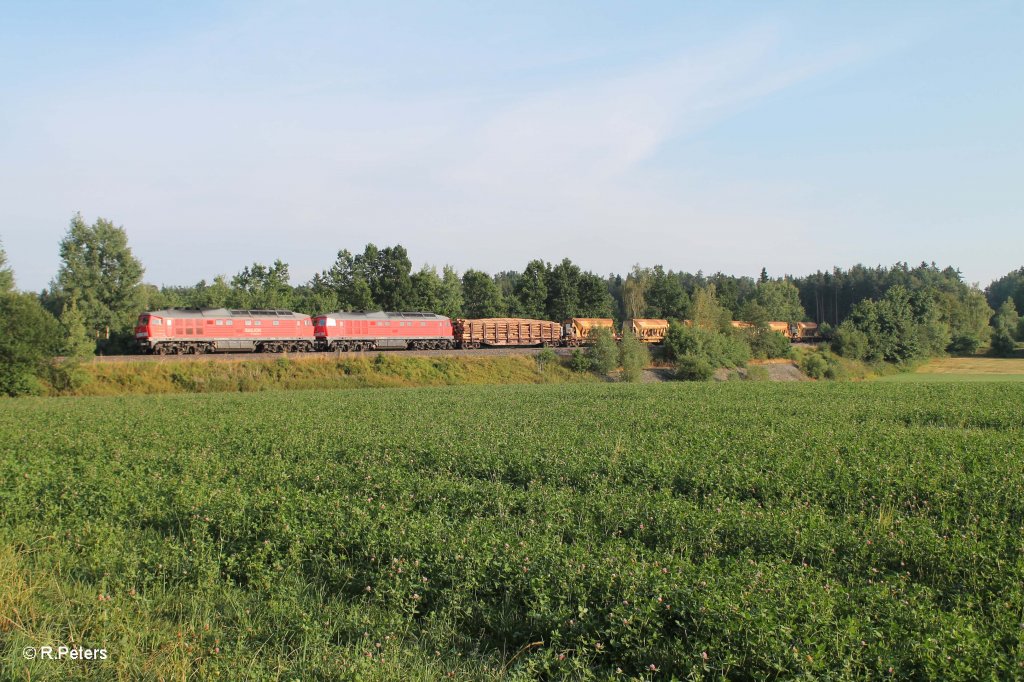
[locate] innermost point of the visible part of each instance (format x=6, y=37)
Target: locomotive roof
x=224, y=312
x=384, y=315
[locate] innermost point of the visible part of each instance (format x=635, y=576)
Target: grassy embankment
x=380, y=371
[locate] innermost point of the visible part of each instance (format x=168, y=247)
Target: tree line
x=893, y=314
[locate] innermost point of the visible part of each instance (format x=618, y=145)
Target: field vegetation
x=851, y=531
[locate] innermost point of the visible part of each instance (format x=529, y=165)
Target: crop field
x=740, y=531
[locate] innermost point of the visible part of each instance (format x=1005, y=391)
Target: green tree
x=850, y=342
x=1010, y=285
x=316, y=297
x=391, y=283
x=77, y=342
x=263, y=287
x=603, y=352
x=967, y=313
x=890, y=325
x=706, y=312
x=634, y=293
x=426, y=289
x=6, y=276
x=780, y=300
x=1005, y=324
x=633, y=357
x=593, y=296
x=531, y=290
x=349, y=279
x=481, y=297
x=441, y=294
x=563, y=291
x=665, y=296
x=450, y=295
x=100, y=273
x=30, y=337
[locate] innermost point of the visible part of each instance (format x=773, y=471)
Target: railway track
x=267, y=357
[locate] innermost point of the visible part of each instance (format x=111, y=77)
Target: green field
x=606, y=531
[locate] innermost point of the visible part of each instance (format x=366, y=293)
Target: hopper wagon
x=576, y=331
x=648, y=330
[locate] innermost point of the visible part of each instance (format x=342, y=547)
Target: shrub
x=814, y=365
x=694, y=368
x=633, y=356
x=850, y=342
x=964, y=344
x=30, y=337
x=603, y=354
x=580, y=361
x=546, y=358
x=765, y=344
x=1003, y=343
x=719, y=349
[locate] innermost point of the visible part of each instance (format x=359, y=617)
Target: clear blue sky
x=701, y=136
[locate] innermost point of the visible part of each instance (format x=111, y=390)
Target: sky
x=723, y=136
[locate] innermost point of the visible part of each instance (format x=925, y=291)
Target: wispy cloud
x=300, y=166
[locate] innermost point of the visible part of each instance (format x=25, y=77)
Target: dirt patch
x=783, y=370
x=777, y=371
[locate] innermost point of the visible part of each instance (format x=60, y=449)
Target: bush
x=694, y=368
x=1003, y=343
x=546, y=358
x=603, y=354
x=850, y=342
x=30, y=337
x=766, y=344
x=964, y=344
x=814, y=365
x=719, y=349
x=633, y=356
x=580, y=362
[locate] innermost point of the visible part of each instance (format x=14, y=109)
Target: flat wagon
x=506, y=331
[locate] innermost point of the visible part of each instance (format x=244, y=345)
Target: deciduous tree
x=100, y=273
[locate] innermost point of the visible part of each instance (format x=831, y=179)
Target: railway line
x=267, y=357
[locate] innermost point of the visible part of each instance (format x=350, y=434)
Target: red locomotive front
x=375, y=331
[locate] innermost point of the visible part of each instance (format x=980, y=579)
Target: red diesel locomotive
x=374, y=331
x=189, y=330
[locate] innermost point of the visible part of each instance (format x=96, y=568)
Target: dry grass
x=964, y=369
x=973, y=366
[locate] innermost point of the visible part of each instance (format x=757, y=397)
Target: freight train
x=178, y=331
